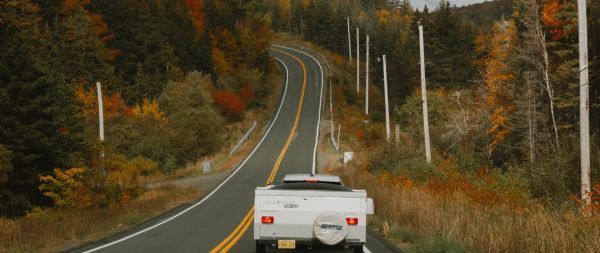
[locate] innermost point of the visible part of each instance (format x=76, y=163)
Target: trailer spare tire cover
x=330, y=227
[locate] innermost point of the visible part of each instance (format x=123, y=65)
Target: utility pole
x=101, y=124
x=100, y=112
x=387, y=108
x=424, y=97
x=349, y=41
x=357, y=62
x=584, y=103
x=367, y=79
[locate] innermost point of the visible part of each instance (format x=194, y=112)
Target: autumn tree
x=498, y=76
x=196, y=128
x=66, y=188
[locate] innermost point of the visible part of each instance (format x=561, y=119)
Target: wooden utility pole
x=424, y=97
x=100, y=111
x=349, y=40
x=367, y=79
x=357, y=62
x=584, y=102
x=101, y=125
x=387, y=107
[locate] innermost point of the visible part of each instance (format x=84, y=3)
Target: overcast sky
x=432, y=4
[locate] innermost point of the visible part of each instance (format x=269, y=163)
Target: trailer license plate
x=286, y=244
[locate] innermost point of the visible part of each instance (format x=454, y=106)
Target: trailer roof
x=313, y=177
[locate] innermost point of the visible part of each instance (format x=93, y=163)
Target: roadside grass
x=454, y=223
x=49, y=230
x=411, y=240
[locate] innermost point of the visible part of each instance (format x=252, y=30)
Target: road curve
x=222, y=221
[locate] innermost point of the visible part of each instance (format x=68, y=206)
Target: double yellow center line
x=241, y=229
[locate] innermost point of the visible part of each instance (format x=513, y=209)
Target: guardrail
x=243, y=139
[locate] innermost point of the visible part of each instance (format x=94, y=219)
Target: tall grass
x=480, y=229
x=54, y=229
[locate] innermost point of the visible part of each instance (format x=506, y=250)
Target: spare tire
x=330, y=227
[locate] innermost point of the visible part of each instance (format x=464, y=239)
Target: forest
x=503, y=77
x=503, y=102
x=173, y=74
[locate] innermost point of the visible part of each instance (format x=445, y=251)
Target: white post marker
x=424, y=97
x=100, y=111
x=387, y=107
x=349, y=40
x=367, y=79
x=584, y=103
x=357, y=62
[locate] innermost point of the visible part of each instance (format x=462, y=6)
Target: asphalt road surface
x=216, y=223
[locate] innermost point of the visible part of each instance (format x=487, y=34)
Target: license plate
x=286, y=244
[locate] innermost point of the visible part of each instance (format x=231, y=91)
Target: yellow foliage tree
x=87, y=99
x=498, y=78
x=148, y=108
x=123, y=176
x=66, y=188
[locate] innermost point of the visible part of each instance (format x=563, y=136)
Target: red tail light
x=268, y=219
x=352, y=221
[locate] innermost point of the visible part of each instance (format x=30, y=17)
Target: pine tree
x=139, y=38
x=39, y=123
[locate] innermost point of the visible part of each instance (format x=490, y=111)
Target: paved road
x=288, y=146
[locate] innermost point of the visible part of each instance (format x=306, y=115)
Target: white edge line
x=216, y=189
x=314, y=167
x=366, y=250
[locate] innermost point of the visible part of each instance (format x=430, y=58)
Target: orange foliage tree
x=594, y=205
x=553, y=16
x=113, y=104
x=197, y=15
x=230, y=104
x=498, y=78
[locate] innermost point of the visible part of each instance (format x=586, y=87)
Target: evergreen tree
x=139, y=38
x=80, y=54
x=39, y=123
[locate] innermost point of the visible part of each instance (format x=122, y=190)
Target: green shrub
x=438, y=245
x=195, y=127
x=388, y=158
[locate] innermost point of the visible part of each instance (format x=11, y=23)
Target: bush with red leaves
x=230, y=104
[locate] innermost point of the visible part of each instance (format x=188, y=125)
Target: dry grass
x=51, y=229
x=477, y=228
